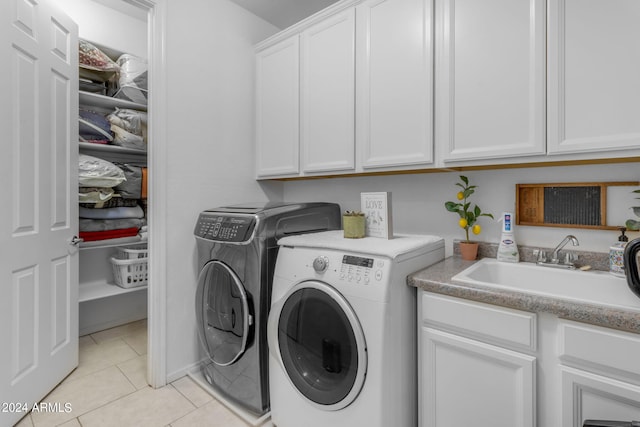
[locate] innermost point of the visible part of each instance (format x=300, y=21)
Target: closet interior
x=112, y=178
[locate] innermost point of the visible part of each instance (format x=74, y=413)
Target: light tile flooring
x=109, y=389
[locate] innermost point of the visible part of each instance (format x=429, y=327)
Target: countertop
x=437, y=279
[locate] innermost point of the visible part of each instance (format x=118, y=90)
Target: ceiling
x=126, y=8
x=283, y=13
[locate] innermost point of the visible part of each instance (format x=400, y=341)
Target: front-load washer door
x=223, y=313
x=320, y=344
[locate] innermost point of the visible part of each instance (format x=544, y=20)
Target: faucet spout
x=569, y=238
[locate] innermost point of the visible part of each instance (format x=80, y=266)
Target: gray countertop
x=437, y=279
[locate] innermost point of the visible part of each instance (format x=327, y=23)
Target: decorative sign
x=574, y=205
x=377, y=211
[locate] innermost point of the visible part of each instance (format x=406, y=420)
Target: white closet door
x=327, y=97
x=39, y=214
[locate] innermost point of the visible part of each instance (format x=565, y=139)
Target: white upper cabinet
x=327, y=114
x=277, y=106
x=490, y=78
x=594, y=75
x=394, y=81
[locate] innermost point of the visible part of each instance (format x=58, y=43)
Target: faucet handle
x=569, y=258
x=542, y=256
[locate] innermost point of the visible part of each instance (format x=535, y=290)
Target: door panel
x=490, y=69
x=594, y=89
x=40, y=269
x=395, y=82
x=327, y=84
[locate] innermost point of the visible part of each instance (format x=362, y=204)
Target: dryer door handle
x=272, y=330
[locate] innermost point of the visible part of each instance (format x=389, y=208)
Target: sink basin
x=595, y=287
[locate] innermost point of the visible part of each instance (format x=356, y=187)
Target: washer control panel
x=224, y=228
x=361, y=270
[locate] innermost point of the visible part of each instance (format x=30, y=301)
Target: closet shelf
x=97, y=290
x=111, y=243
x=107, y=102
x=106, y=148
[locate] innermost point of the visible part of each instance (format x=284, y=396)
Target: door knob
x=75, y=241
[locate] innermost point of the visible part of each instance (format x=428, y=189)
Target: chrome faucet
x=570, y=238
x=555, y=261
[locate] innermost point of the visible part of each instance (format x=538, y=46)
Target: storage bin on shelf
x=130, y=266
x=132, y=252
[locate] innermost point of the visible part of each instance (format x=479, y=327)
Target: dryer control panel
x=358, y=269
x=224, y=228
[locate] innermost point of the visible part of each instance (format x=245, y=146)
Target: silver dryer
x=237, y=248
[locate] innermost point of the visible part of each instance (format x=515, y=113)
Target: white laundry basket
x=130, y=266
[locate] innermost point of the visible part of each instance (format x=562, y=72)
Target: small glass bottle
x=616, y=254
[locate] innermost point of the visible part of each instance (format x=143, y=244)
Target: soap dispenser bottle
x=508, y=249
x=616, y=254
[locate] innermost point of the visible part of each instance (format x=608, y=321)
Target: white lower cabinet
x=486, y=365
x=586, y=396
x=473, y=370
x=468, y=382
x=600, y=374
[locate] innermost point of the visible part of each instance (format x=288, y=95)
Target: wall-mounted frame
x=572, y=205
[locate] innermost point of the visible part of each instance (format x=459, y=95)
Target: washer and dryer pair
x=237, y=248
x=337, y=314
x=342, y=330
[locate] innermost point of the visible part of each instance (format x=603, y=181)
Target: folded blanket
x=112, y=213
x=109, y=224
x=92, y=236
x=95, y=194
x=115, y=202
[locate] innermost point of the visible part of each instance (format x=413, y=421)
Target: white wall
x=210, y=63
x=418, y=200
x=210, y=130
x=107, y=26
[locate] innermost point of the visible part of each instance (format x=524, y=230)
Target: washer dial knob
x=320, y=264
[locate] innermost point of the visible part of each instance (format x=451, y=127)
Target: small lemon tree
x=468, y=214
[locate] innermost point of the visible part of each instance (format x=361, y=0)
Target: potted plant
x=468, y=217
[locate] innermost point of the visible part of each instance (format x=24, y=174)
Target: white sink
x=595, y=287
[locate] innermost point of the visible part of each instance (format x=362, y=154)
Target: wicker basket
x=130, y=273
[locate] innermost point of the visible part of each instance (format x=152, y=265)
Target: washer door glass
x=321, y=345
x=222, y=311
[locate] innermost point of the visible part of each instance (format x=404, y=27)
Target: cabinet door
x=490, y=69
x=594, y=69
x=395, y=82
x=277, y=106
x=588, y=396
x=327, y=98
x=469, y=383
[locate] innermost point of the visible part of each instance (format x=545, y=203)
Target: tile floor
x=109, y=389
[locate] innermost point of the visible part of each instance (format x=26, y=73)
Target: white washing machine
x=342, y=330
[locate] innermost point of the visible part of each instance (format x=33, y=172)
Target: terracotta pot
x=469, y=250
